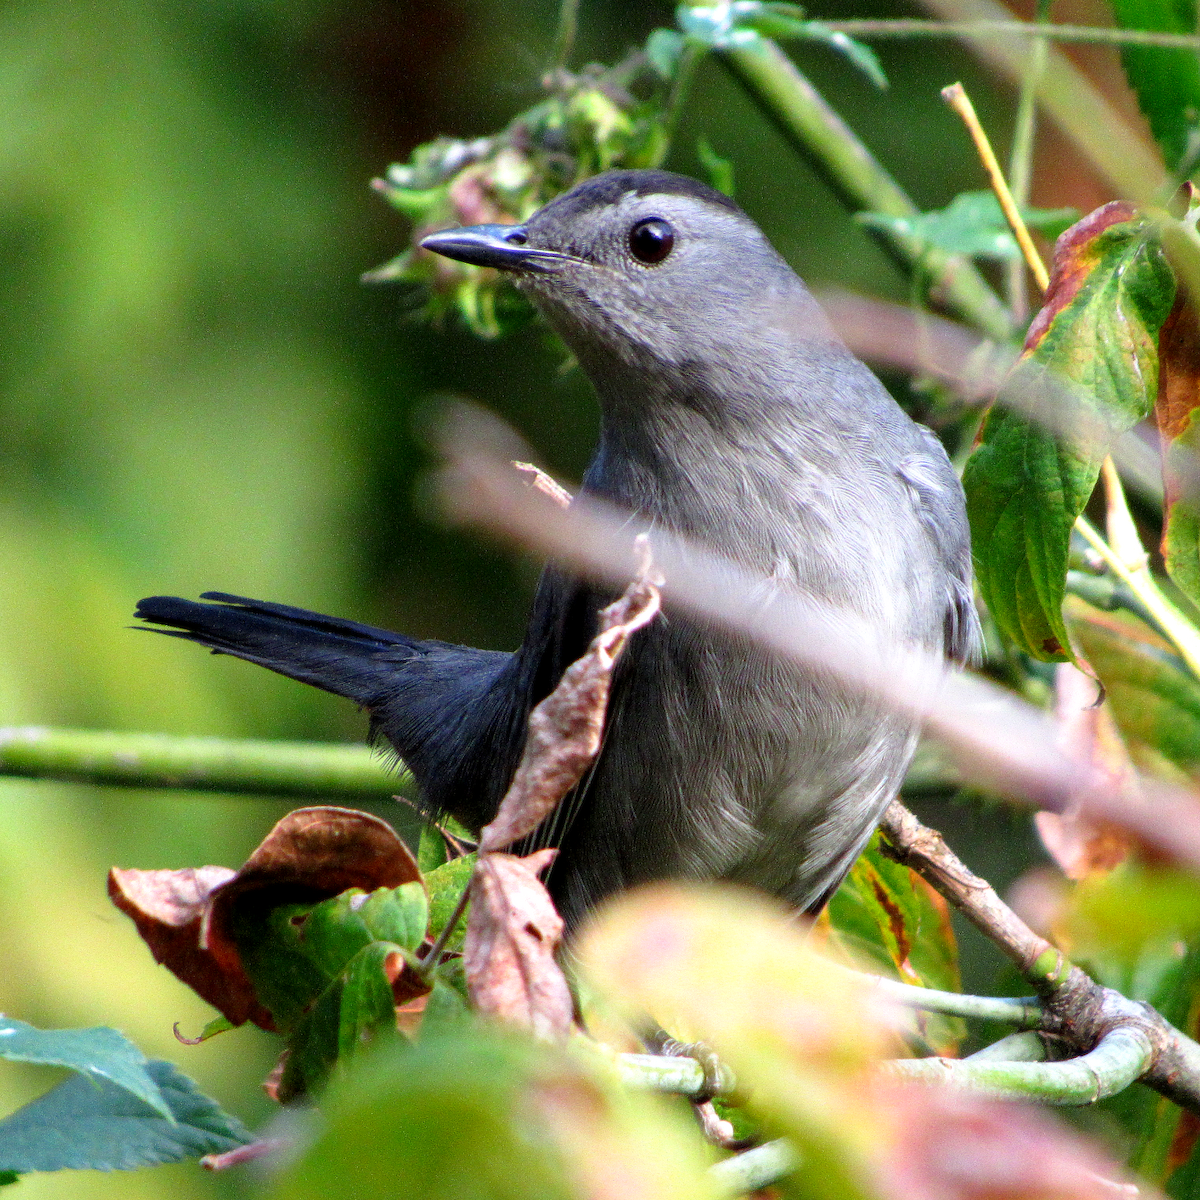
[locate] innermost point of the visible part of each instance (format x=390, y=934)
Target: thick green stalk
x=1120, y=1058
x=302, y=770
x=678, y=1074
x=1024, y=1012
x=808, y=122
x=755, y=1169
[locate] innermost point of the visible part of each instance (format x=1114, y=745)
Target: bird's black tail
x=343, y=657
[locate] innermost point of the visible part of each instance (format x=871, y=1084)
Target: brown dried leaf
x=185, y=916
x=537, y=479
x=168, y=909
x=513, y=933
x=1087, y=732
x=312, y=853
x=948, y=1144
x=565, y=728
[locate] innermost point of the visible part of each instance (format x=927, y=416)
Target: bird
x=731, y=413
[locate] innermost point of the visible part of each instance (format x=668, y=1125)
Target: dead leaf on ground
x=185, y=917
x=1087, y=732
x=513, y=933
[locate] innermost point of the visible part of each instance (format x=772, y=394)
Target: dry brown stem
x=1078, y=1010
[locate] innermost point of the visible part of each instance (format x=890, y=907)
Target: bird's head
x=646, y=269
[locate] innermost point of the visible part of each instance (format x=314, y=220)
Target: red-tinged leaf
x=947, y=1144
x=894, y=922
x=1175, y=408
x=513, y=934
x=1088, y=733
x=736, y=970
x=565, y=728
x=1089, y=372
x=1076, y=257
x=168, y=909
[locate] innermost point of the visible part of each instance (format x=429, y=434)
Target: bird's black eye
x=650, y=241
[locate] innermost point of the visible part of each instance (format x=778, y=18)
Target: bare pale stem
x=955, y=95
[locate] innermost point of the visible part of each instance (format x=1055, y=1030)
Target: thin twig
x=1078, y=1010
x=1026, y=1046
x=564, y=38
x=1020, y=159
x=956, y=96
x=430, y=962
x=904, y=27
x=674, y=1073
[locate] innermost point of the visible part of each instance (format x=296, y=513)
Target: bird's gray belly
x=733, y=764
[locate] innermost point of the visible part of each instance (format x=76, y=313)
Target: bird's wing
x=937, y=494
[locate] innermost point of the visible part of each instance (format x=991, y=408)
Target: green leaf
x=447, y=1004
x=356, y=1009
x=1166, y=81
x=719, y=170
x=7, y=1177
x=479, y=1113
x=972, y=224
x=1175, y=414
x=1154, y=698
x=98, y=1052
x=1094, y=341
x=431, y=849
x=861, y=55
x=90, y=1124
x=293, y=953
x=446, y=885
x=889, y=917
x=664, y=49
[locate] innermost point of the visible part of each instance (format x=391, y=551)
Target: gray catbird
x=732, y=414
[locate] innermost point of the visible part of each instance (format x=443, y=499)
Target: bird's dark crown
x=612, y=185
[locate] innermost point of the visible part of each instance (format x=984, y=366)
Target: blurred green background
x=196, y=392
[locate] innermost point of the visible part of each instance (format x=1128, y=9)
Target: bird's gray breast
x=723, y=760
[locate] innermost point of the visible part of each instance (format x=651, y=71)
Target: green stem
x=1017, y=1047
x=303, y=770
x=808, y=122
x=684, y=74
x=1087, y=34
x=1119, y=1059
x=1020, y=162
x=678, y=1074
x=1137, y=578
x=564, y=38
x=1025, y=1012
x=754, y=1169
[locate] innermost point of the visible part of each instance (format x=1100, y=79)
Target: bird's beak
x=500, y=246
